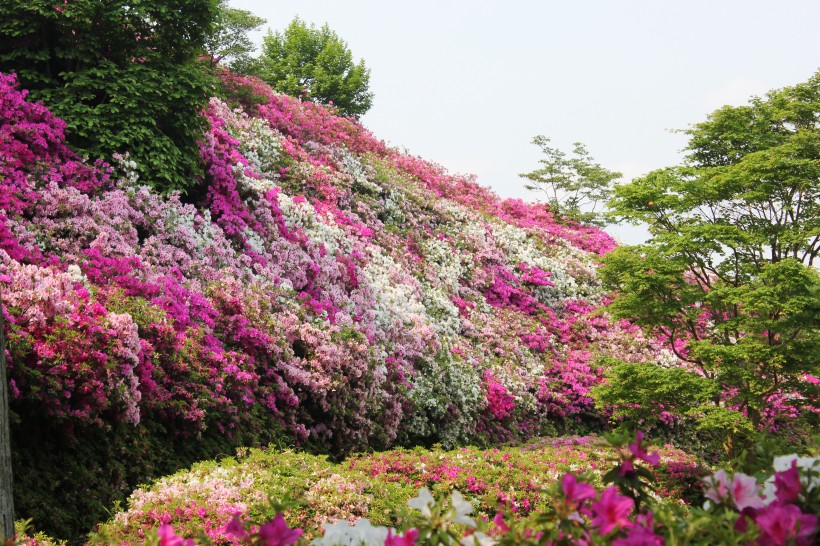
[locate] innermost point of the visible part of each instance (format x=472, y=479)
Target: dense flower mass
x=342, y=292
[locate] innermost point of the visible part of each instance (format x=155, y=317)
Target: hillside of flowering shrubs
x=315, y=289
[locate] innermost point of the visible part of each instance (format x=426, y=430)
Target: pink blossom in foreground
x=611, y=511
x=277, y=533
x=783, y=525
x=167, y=537
x=576, y=491
x=787, y=483
x=408, y=539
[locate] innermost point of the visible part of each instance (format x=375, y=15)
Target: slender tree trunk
x=6, y=498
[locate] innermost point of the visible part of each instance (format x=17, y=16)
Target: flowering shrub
x=316, y=288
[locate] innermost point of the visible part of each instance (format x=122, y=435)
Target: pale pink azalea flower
x=745, y=492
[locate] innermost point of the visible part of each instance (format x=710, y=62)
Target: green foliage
x=728, y=278
x=124, y=76
x=315, y=64
x=228, y=40
x=640, y=393
x=574, y=186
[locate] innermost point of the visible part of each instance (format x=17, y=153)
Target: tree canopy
x=574, y=186
x=727, y=280
x=228, y=41
x=123, y=75
x=315, y=63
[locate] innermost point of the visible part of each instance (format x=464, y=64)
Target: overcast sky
x=467, y=84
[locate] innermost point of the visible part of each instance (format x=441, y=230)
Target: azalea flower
x=460, y=508
x=167, y=537
x=575, y=491
x=236, y=529
x=422, y=502
x=718, y=487
x=786, y=525
x=745, y=492
x=787, y=484
x=342, y=533
x=611, y=511
x=408, y=539
x=277, y=533
x=640, y=453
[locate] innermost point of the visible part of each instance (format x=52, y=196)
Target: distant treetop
x=315, y=64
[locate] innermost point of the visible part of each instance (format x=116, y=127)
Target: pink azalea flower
x=641, y=533
x=788, y=484
x=639, y=536
x=746, y=492
x=611, y=511
x=277, y=533
x=575, y=491
x=718, y=489
x=167, y=537
x=626, y=468
x=409, y=538
x=640, y=453
x=236, y=529
x=500, y=524
x=785, y=525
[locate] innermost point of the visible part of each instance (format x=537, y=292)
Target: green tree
x=728, y=279
x=123, y=75
x=316, y=64
x=575, y=186
x=228, y=41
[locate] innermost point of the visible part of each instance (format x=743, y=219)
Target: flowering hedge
x=205, y=498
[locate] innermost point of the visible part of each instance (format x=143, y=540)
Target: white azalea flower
x=422, y=502
x=462, y=507
x=342, y=533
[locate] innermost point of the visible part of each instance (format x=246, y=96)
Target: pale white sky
x=468, y=83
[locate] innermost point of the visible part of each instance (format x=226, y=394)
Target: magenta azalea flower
x=167, y=537
x=788, y=484
x=409, y=538
x=277, y=533
x=575, y=491
x=639, y=536
x=640, y=453
x=235, y=528
x=612, y=511
x=785, y=525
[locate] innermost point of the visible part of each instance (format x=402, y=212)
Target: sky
x=469, y=83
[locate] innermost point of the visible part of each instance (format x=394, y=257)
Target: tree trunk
x=6, y=498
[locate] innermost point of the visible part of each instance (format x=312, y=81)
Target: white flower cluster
x=445, y=260
x=252, y=186
x=446, y=318
x=352, y=166
x=320, y=230
x=573, y=270
x=397, y=301
x=447, y=397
